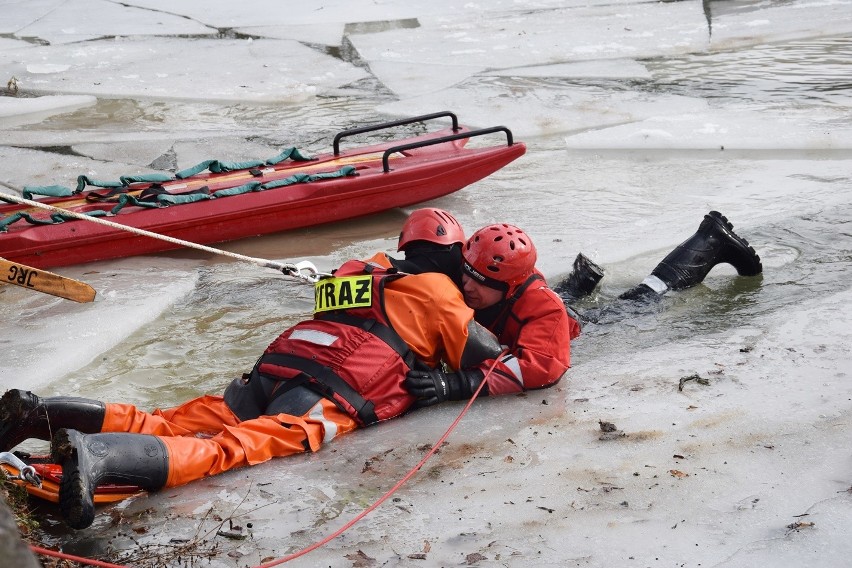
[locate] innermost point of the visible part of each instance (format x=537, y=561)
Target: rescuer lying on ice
x=344, y=369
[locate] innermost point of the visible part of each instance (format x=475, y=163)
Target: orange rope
x=393, y=489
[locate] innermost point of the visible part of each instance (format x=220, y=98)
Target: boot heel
x=89, y=460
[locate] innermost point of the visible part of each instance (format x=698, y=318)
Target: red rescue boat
x=256, y=200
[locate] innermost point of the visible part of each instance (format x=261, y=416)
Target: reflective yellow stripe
x=343, y=292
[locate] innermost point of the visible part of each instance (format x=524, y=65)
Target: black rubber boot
x=582, y=280
x=714, y=243
x=24, y=415
x=89, y=460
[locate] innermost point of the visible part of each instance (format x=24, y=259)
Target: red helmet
x=431, y=225
x=499, y=253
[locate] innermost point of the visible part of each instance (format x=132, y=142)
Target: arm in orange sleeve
x=428, y=311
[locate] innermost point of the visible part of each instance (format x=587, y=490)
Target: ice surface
x=63, y=22
x=625, y=107
x=279, y=71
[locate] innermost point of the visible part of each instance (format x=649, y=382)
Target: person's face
x=479, y=296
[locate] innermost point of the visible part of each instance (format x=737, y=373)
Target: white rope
x=304, y=270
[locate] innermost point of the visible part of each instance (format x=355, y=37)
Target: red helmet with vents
x=499, y=253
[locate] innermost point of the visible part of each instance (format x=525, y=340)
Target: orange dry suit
x=322, y=377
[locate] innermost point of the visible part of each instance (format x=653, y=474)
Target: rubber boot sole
x=15, y=424
x=75, y=494
x=746, y=261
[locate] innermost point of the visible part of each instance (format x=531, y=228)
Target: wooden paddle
x=46, y=282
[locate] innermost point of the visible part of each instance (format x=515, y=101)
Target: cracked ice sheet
x=743, y=454
x=538, y=37
x=17, y=15
x=271, y=71
x=80, y=20
x=274, y=12
x=536, y=106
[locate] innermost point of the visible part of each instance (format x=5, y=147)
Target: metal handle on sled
x=443, y=139
x=384, y=125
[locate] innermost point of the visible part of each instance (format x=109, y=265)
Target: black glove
x=434, y=386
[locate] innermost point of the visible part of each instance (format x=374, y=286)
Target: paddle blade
x=45, y=282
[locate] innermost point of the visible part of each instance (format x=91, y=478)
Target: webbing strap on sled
x=214, y=166
x=152, y=198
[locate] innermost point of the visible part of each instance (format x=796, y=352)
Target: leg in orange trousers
x=203, y=437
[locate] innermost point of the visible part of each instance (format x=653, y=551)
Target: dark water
x=801, y=73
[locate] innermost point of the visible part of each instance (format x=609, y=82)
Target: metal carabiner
x=26, y=472
x=304, y=270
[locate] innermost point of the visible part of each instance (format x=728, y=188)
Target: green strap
x=83, y=181
x=239, y=190
x=15, y=217
x=152, y=178
x=180, y=199
x=124, y=200
x=306, y=178
x=62, y=217
x=218, y=166
x=55, y=218
x=291, y=153
x=49, y=190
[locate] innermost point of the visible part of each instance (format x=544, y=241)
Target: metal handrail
x=441, y=140
x=401, y=122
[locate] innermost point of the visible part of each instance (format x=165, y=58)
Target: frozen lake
x=639, y=118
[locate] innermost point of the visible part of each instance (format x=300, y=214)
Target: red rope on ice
x=78, y=559
x=393, y=489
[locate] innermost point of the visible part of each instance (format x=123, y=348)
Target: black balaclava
x=423, y=256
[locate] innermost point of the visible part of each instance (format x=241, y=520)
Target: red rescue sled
x=392, y=174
